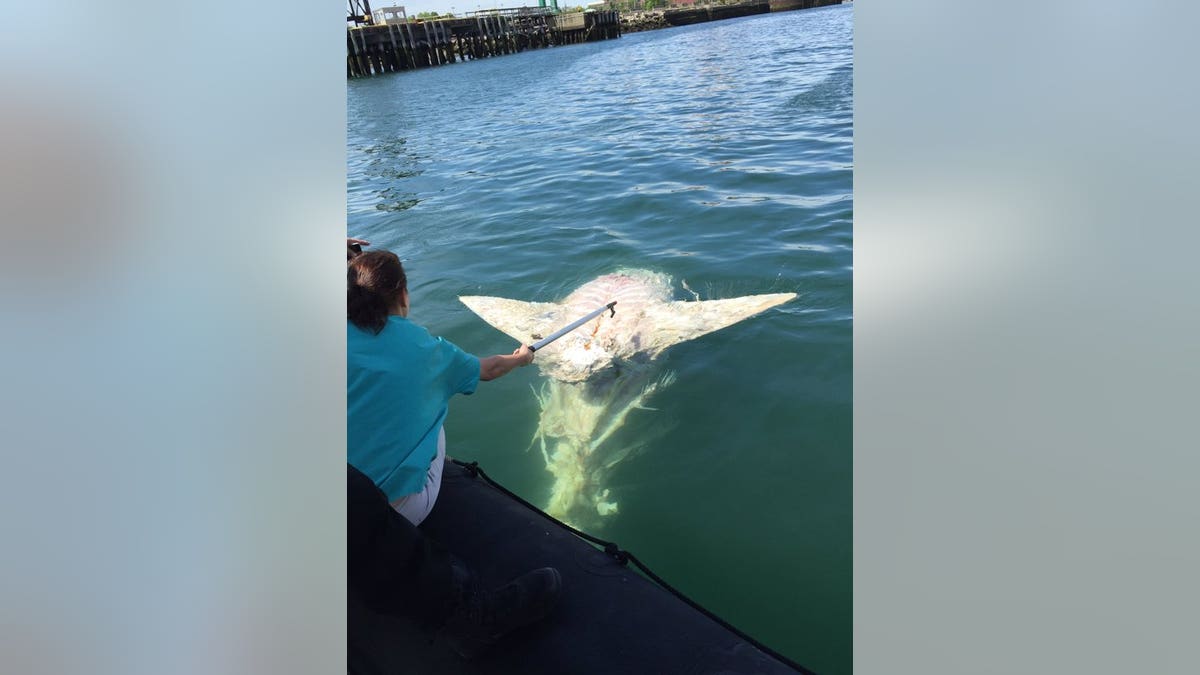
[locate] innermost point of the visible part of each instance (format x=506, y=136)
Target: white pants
x=417, y=506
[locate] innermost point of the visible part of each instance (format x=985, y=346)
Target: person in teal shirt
x=399, y=382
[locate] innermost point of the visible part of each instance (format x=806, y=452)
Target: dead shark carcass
x=599, y=373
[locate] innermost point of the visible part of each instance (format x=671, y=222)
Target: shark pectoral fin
x=683, y=320
x=516, y=319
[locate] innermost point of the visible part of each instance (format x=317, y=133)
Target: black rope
x=623, y=557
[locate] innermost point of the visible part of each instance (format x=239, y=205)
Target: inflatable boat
x=610, y=618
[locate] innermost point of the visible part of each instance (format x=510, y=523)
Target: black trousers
x=392, y=568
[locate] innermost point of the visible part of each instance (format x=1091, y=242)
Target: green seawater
x=719, y=153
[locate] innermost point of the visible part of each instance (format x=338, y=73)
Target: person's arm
x=499, y=365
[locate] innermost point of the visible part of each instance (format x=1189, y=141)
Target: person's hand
x=524, y=353
x=354, y=247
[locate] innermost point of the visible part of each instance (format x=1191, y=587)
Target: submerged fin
x=516, y=319
x=680, y=321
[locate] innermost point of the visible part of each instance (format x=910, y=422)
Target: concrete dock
x=654, y=19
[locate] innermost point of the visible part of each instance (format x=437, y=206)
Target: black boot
x=480, y=618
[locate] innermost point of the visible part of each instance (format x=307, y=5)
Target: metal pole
x=572, y=326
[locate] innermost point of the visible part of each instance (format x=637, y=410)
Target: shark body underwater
x=599, y=373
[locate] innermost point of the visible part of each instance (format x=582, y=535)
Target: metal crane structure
x=360, y=13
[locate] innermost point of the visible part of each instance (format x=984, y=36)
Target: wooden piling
x=388, y=48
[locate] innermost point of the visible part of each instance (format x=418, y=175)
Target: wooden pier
x=392, y=47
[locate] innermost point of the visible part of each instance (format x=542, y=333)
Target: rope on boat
x=623, y=557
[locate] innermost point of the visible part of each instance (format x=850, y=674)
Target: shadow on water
x=388, y=162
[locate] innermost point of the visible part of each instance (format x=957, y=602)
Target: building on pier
x=394, y=16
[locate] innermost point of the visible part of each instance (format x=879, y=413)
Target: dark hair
x=374, y=282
